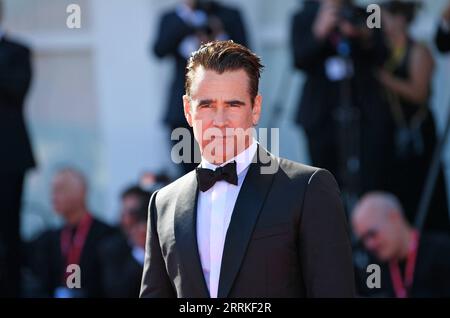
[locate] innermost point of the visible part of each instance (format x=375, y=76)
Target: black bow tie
x=206, y=178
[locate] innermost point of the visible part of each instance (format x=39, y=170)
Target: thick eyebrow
x=235, y=102
x=205, y=102
x=228, y=102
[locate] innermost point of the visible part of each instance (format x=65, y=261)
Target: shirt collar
x=243, y=159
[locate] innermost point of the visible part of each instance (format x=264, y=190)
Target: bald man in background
x=77, y=242
x=412, y=264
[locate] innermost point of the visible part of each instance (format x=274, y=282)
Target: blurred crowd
x=365, y=111
x=110, y=258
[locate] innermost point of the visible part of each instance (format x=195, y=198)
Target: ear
x=256, y=110
x=187, y=109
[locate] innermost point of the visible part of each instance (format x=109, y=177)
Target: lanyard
x=402, y=287
x=71, y=248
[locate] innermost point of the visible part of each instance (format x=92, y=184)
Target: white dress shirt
x=214, y=210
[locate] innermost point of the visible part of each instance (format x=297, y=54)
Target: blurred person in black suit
x=122, y=255
x=77, y=242
x=181, y=31
x=16, y=157
x=443, y=33
x=412, y=264
x=406, y=78
x=326, y=34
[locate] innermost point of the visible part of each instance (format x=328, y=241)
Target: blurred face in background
x=68, y=194
x=130, y=203
x=393, y=24
x=378, y=231
x=138, y=234
x=190, y=3
x=217, y=105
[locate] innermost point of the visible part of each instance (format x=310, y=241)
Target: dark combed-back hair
x=221, y=56
x=407, y=9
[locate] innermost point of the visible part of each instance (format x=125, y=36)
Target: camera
x=353, y=14
x=208, y=7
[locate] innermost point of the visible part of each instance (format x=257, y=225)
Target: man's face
x=378, y=234
x=221, y=113
x=130, y=203
x=67, y=194
x=393, y=24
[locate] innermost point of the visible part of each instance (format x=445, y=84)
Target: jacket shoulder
x=102, y=229
x=305, y=174
x=16, y=45
x=169, y=16
x=295, y=170
x=170, y=191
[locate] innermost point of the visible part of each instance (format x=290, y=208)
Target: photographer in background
x=339, y=55
x=443, y=33
x=181, y=31
x=16, y=156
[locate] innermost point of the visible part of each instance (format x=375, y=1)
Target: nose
x=220, y=119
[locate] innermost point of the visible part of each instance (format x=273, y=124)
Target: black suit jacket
x=172, y=31
x=443, y=40
x=47, y=264
x=15, y=77
x=287, y=237
x=121, y=273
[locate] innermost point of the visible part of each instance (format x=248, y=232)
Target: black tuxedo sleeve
x=443, y=40
x=155, y=280
x=172, y=30
x=307, y=50
x=324, y=242
x=15, y=76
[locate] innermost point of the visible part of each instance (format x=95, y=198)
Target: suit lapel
x=245, y=214
x=186, y=235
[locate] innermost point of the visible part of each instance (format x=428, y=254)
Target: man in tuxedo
x=16, y=156
x=443, y=33
x=245, y=223
x=180, y=33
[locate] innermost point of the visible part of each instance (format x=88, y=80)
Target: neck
x=406, y=239
x=74, y=218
